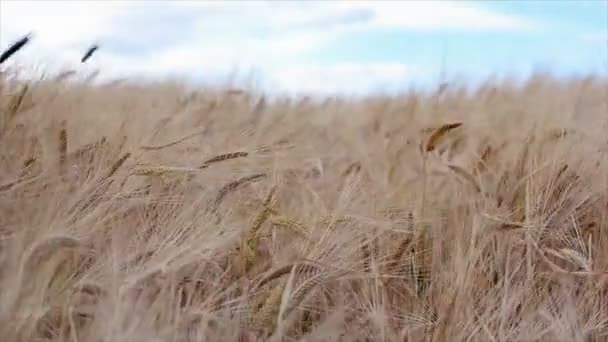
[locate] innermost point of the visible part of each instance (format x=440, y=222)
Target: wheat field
x=135, y=211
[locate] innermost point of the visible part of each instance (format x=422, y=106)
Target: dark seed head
x=16, y=46
x=89, y=53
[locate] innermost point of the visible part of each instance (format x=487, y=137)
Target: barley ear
x=290, y=224
x=44, y=249
x=466, y=176
x=438, y=133
x=265, y=318
x=118, y=164
x=63, y=147
x=484, y=158
x=284, y=270
x=8, y=185
x=223, y=157
x=17, y=103
x=252, y=241
x=160, y=170
x=276, y=274
x=232, y=186
x=354, y=167
x=65, y=75
x=402, y=247
x=160, y=147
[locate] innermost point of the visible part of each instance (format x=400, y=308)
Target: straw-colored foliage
x=134, y=212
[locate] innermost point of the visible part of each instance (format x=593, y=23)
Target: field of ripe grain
x=154, y=212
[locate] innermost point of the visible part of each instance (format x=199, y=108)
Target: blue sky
x=315, y=46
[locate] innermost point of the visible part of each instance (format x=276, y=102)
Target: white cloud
x=355, y=78
x=357, y=14
x=199, y=37
x=597, y=37
x=58, y=23
x=427, y=15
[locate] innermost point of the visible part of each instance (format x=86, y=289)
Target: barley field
x=134, y=211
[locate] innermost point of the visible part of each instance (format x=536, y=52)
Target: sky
x=313, y=46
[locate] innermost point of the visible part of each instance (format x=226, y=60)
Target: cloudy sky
x=322, y=46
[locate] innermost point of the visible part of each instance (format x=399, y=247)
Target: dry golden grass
x=133, y=212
